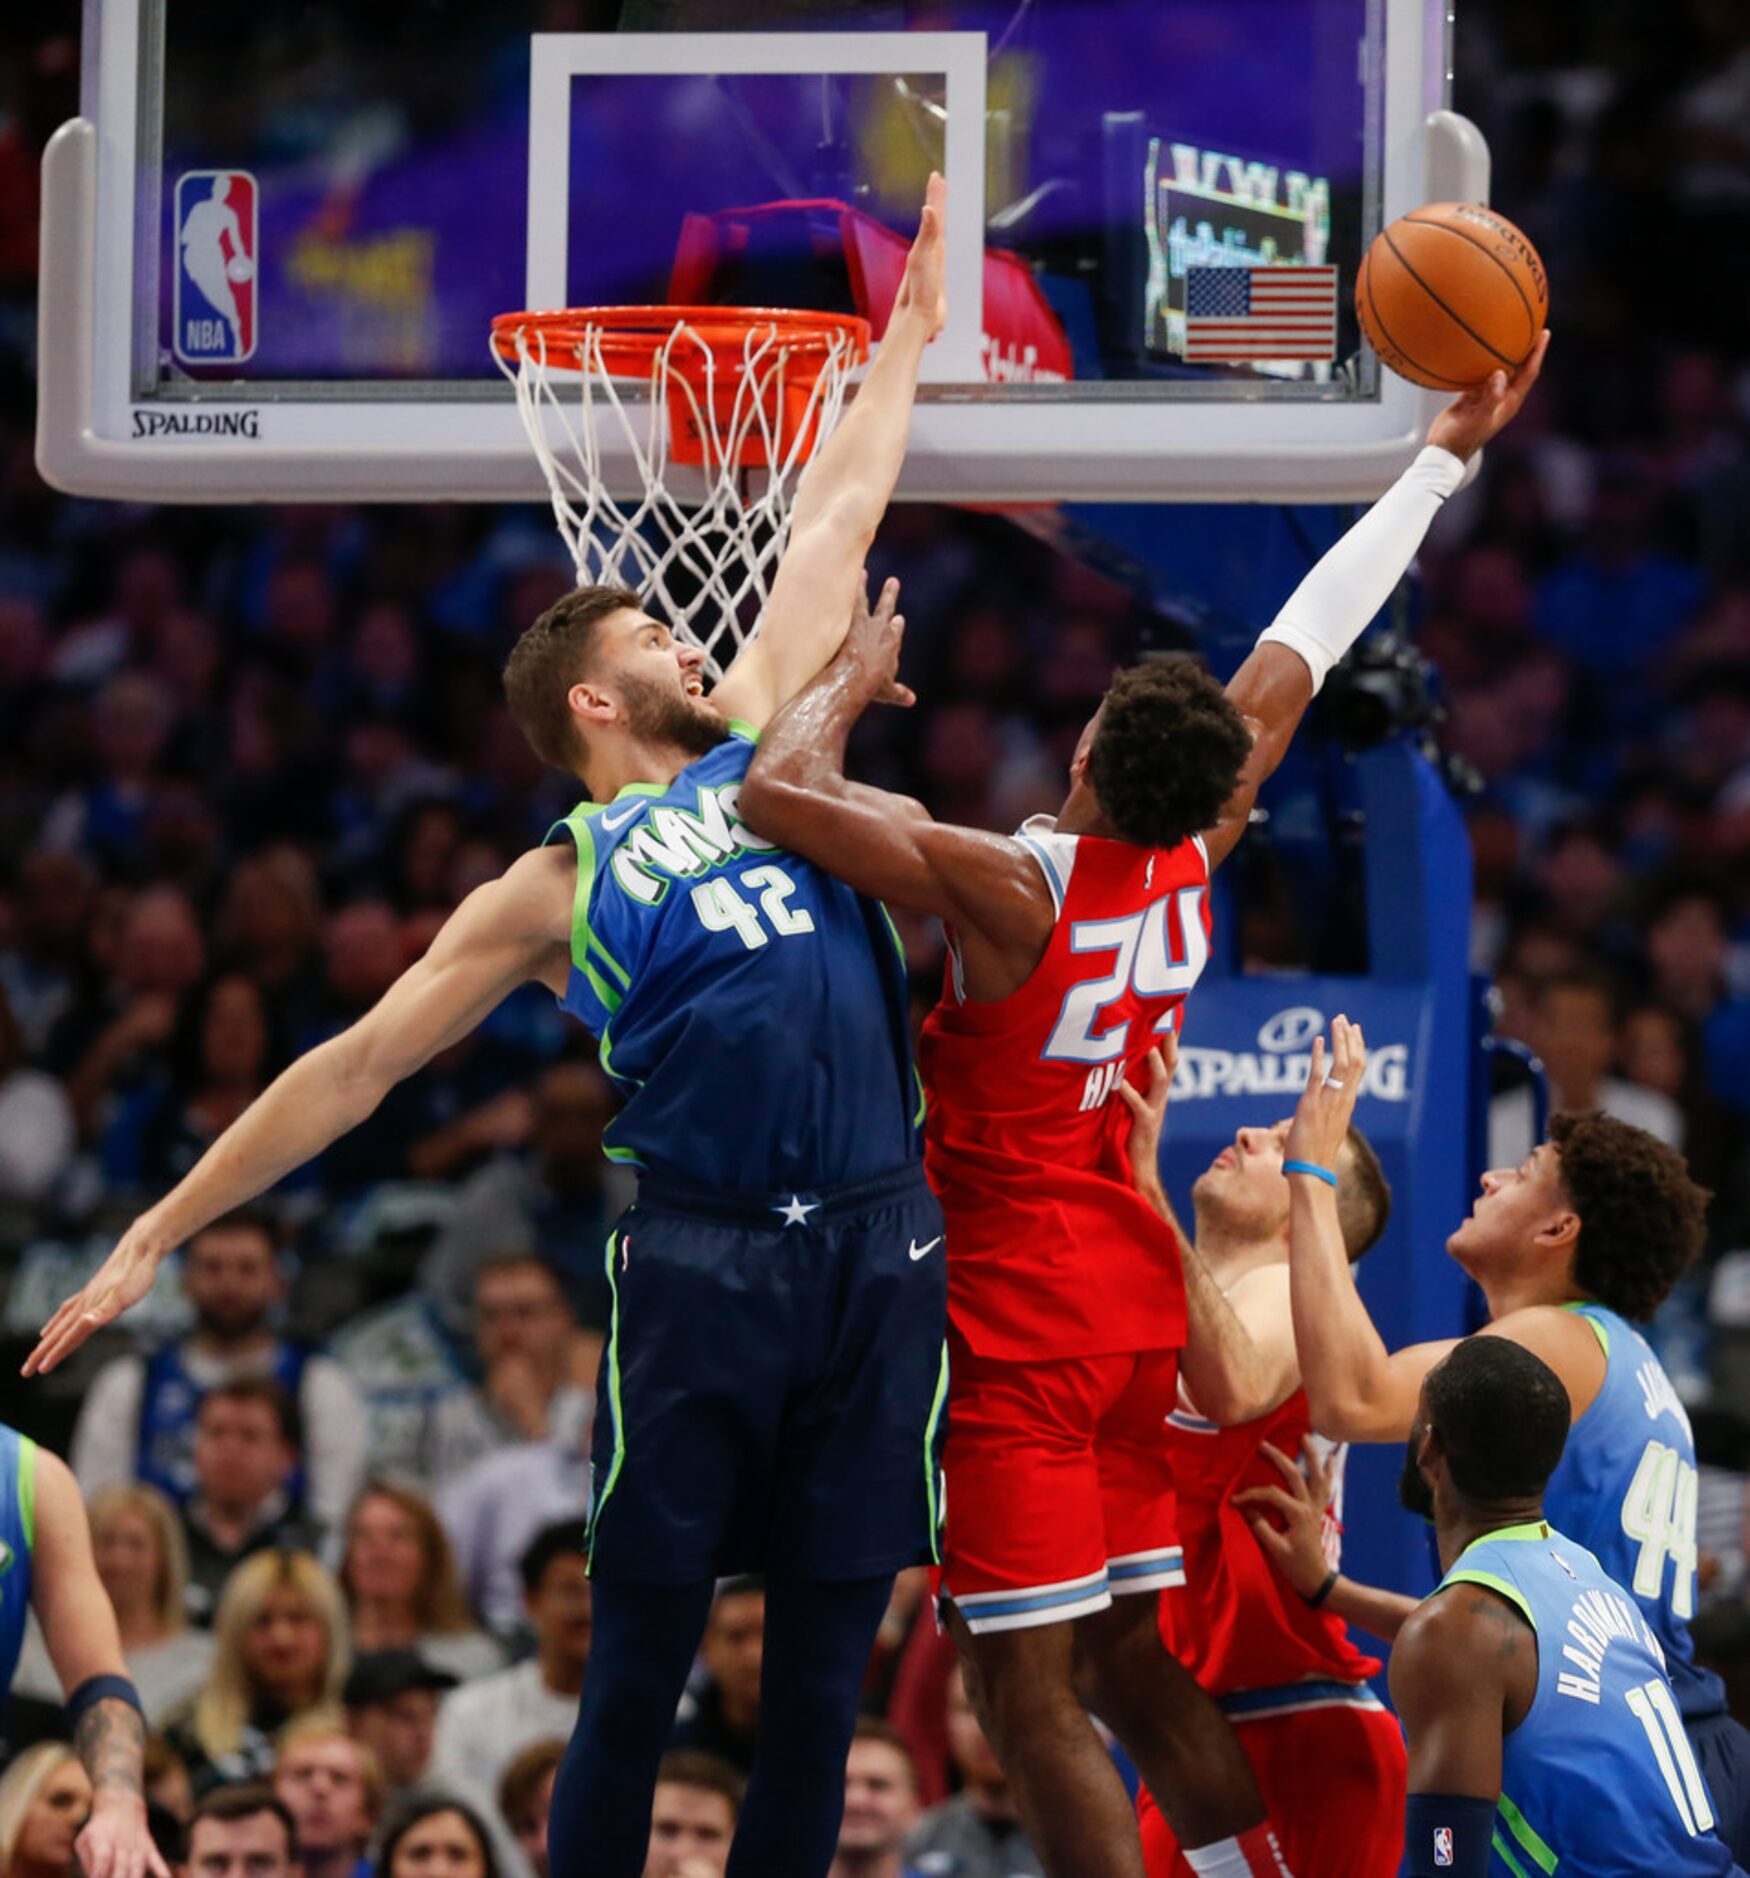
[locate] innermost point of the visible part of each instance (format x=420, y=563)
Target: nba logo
x=1442, y=1845
x=215, y=267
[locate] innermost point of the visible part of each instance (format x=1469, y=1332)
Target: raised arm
x=79, y=1628
x=843, y=496
x=506, y=932
x=1356, y=1389
x=1329, y=610
x=796, y=794
x=1238, y=1362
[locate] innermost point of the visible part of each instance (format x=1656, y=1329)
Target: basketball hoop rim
x=628, y=340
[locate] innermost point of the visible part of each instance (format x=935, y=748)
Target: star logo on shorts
x=797, y=1211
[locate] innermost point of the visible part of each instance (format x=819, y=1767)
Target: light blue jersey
x=1626, y=1490
x=1599, y=1778
x=752, y=1009
x=17, y=1542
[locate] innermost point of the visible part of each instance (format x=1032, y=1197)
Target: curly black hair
x=1168, y=751
x=1642, y=1218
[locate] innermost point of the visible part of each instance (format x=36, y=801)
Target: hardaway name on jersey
x=1599, y=1777
x=1051, y=1250
x=751, y=1008
x=1235, y=1623
x=1625, y=1489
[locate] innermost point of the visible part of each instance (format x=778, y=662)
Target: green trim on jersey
x=27, y=1489
x=608, y=978
x=1530, y=1840
x=740, y=727
x=1490, y=1582
x=1600, y=1331
x=1504, y=1853
x=917, y=1075
x=930, y=1459
x=613, y=1360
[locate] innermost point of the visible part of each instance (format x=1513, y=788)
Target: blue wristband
x=95, y=1689
x=1309, y=1167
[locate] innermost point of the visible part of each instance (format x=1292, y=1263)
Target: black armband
x=1324, y=1591
x=95, y=1689
x=1447, y=1835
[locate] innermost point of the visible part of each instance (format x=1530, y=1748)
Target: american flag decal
x=1241, y=314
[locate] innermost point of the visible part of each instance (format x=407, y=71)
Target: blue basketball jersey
x=17, y=1542
x=1599, y=1777
x=1626, y=1490
x=751, y=1008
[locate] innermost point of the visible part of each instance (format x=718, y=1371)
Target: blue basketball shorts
x=774, y=1390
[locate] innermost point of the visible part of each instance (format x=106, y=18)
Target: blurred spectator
x=281, y=1652
x=692, y=1819
x=881, y=1805
x=483, y=1726
x=392, y=1707
x=333, y=1789
x=494, y=1511
x=722, y=1717
x=138, y=1420
x=436, y=1837
x=533, y=1366
x=41, y=967
x=143, y=1562
x=242, y=1830
x=977, y=1834
x=268, y=922
x=1573, y=1029
x=246, y=1446
x=44, y=1799
x=551, y=1196
x=37, y=1131
x=525, y=1799
x=166, y=1779
x=400, y=1580
x=110, y=1047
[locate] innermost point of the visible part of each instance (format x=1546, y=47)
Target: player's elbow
x=1342, y=1414
x=774, y=797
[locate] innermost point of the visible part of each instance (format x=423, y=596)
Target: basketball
x=240, y=268
x=1450, y=293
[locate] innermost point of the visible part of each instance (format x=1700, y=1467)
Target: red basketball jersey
x=1051, y=1250
x=1235, y=1623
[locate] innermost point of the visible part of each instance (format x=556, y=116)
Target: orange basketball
x=1450, y=293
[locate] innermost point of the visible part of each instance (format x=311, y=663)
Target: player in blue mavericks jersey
x=1582, y=1240
x=46, y=1567
x=772, y=1388
x=1542, y=1729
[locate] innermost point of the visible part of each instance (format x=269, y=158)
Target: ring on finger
x=1332, y=1082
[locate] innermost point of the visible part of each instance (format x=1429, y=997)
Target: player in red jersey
x=1328, y=1755
x=1074, y=944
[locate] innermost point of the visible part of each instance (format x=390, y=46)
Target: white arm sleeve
x=1327, y=612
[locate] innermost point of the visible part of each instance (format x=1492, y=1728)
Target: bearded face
x=1414, y=1493
x=660, y=714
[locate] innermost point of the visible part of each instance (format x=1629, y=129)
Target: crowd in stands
x=250, y=759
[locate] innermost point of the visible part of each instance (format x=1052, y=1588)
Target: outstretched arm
x=796, y=794
x=506, y=932
x=1328, y=611
x=1356, y=1389
x=78, y=1625
x=1238, y=1362
x=843, y=496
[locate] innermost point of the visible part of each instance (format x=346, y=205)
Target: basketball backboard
x=275, y=237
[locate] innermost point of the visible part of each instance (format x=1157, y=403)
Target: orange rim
x=627, y=339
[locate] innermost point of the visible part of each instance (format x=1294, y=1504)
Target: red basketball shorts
x=1333, y=1779
x=1059, y=1489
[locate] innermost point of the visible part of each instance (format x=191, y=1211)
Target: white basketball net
x=707, y=563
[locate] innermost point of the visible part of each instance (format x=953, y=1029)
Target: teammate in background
x=1589, y=1232
x=774, y=1374
x=47, y=1567
x=1328, y=1755
x=1073, y=944
x=1543, y=1733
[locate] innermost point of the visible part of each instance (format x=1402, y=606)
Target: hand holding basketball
x=924, y=289
x=1486, y=409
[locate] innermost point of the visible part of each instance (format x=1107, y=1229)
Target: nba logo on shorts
x=215, y=265
x=1442, y=1845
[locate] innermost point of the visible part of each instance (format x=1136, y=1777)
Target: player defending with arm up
x=773, y=1380
x=1074, y=943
